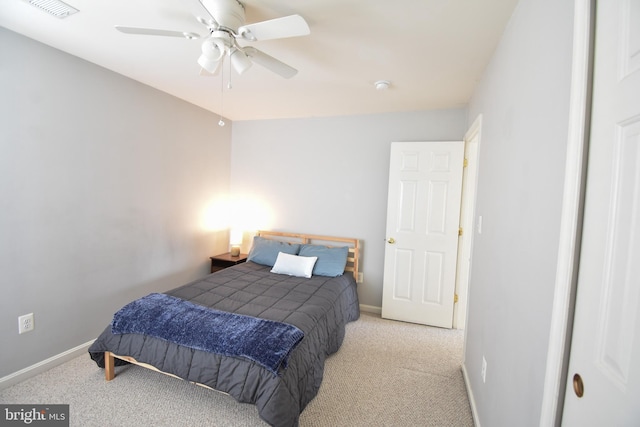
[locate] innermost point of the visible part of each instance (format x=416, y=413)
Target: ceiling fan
x=226, y=26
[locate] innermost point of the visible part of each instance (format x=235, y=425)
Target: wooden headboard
x=353, y=257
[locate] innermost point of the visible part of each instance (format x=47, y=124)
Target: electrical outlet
x=25, y=323
x=483, y=372
x=360, y=277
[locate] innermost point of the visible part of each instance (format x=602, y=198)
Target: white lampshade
x=212, y=52
x=235, y=237
x=240, y=61
x=208, y=64
x=213, y=49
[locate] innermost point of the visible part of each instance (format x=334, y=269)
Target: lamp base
x=235, y=250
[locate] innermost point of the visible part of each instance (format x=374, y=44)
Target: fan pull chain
x=229, y=85
x=221, y=121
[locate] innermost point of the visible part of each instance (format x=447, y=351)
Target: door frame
x=571, y=217
x=467, y=217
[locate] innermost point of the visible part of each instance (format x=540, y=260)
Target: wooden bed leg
x=109, y=371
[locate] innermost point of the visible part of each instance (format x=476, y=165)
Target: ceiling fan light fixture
x=240, y=61
x=211, y=65
x=213, y=49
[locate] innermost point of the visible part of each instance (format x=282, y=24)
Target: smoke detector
x=382, y=84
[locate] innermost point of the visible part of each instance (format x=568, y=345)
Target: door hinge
x=455, y=298
x=460, y=231
x=465, y=163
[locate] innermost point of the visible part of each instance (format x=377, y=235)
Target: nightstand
x=222, y=261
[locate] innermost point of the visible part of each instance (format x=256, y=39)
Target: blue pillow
x=265, y=251
x=331, y=260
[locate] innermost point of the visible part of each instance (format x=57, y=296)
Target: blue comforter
x=266, y=342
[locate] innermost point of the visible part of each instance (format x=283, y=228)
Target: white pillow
x=293, y=265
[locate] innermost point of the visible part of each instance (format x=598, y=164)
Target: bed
x=288, y=306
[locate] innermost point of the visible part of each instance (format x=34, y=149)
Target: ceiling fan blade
x=279, y=28
x=210, y=23
x=154, y=32
x=270, y=63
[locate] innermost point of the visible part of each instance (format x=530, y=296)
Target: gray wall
x=524, y=99
x=329, y=175
x=104, y=183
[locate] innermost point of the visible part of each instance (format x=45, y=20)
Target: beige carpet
x=386, y=374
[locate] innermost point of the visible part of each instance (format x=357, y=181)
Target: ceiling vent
x=54, y=7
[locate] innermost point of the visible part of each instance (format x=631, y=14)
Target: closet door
x=603, y=381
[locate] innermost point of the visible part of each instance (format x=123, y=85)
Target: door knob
x=578, y=385
x=391, y=240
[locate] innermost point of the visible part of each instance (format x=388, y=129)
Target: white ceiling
x=432, y=51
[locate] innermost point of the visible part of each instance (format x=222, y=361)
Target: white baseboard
x=45, y=365
x=472, y=401
x=370, y=309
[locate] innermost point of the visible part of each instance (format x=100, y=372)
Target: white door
x=423, y=211
x=605, y=349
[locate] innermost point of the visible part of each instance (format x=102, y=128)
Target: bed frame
x=353, y=263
